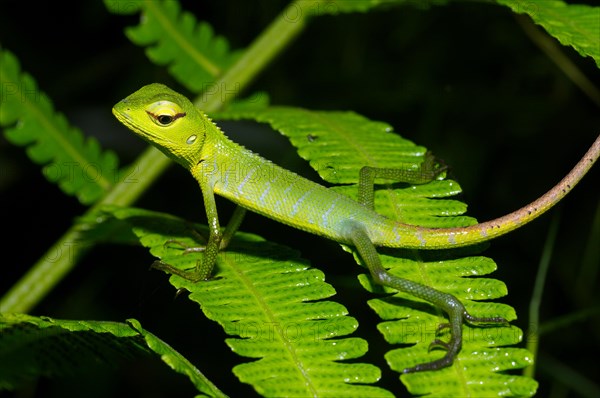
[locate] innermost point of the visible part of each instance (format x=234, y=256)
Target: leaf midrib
x=187, y=47
x=64, y=143
x=273, y=319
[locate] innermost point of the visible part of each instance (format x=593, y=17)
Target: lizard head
x=167, y=120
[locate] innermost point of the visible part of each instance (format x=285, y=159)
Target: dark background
x=463, y=80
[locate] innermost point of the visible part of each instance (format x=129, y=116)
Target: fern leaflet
x=194, y=54
x=77, y=164
x=33, y=346
x=575, y=25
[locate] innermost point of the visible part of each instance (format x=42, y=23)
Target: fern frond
x=272, y=302
x=345, y=142
x=77, y=164
x=336, y=144
x=575, y=25
x=40, y=346
x=194, y=54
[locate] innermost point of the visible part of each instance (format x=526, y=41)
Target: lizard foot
x=192, y=276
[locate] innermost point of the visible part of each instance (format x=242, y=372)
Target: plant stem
x=533, y=334
x=265, y=47
x=590, y=263
x=50, y=269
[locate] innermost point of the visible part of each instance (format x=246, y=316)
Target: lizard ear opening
x=191, y=139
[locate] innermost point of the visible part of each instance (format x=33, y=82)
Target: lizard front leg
x=217, y=239
x=230, y=229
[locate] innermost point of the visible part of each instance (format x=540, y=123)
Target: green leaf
x=176, y=361
x=77, y=164
x=344, y=142
x=40, y=346
x=575, y=25
x=195, y=56
x=272, y=301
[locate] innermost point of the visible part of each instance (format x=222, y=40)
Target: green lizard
x=170, y=122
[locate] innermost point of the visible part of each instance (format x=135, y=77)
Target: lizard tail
x=401, y=235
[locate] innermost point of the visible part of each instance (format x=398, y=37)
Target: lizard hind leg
x=457, y=314
x=429, y=170
x=197, y=236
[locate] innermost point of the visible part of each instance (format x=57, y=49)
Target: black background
x=463, y=80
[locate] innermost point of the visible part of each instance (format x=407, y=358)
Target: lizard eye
x=165, y=120
x=164, y=113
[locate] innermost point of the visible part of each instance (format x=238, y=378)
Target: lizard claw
x=197, y=236
x=169, y=269
x=457, y=316
x=186, y=248
x=437, y=343
x=442, y=326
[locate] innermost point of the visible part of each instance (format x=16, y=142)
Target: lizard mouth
x=124, y=117
x=127, y=120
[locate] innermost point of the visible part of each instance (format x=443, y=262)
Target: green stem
x=533, y=334
x=58, y=261
x=572, y=380
x=556, y=324
x=50, y=269
x=265, y=47
x=590, y=264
